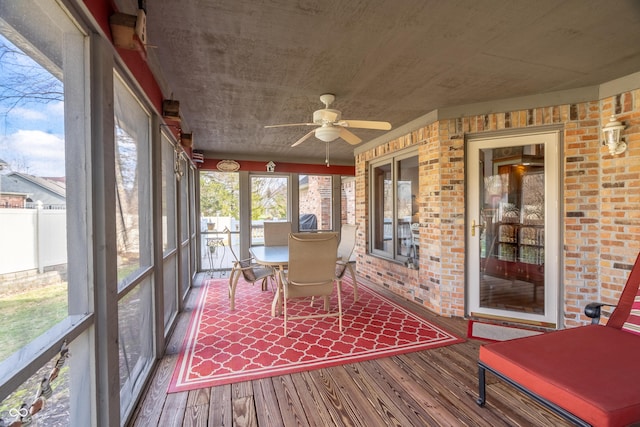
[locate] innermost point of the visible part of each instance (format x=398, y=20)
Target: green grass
x=26, y=315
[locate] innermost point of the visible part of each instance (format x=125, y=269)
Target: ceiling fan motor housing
x=325, y=116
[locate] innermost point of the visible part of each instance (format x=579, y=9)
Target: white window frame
x=393, y=161
x=48, y=22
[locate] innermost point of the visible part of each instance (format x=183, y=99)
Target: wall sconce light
x=611, y=132
x=271, y=167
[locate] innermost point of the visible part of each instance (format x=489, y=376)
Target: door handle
x=473, y=227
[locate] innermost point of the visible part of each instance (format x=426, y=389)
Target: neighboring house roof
x=46, y=190
x=13, y=193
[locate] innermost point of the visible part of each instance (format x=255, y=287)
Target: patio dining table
x=276, y=257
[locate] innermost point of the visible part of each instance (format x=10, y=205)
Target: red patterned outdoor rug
x=224, y=346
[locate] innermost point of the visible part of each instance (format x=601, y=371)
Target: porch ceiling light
x=611, y=132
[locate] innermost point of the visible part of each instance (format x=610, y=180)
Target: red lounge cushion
x=632, y=323
x=591, y=371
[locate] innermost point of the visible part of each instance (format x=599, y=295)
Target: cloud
x=27, y=114
x=47, y=117
x=56, y=109
x=34, y=152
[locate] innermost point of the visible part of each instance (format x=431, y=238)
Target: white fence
x=32, y=239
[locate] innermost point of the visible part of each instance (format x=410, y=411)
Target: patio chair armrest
x=594, y=310
x=246, y=264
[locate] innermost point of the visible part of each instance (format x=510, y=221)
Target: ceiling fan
x=331, y=126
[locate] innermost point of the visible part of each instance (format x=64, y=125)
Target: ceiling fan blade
x=349, y=137
x=301, y=140
x=365, y=124
x=291, y=124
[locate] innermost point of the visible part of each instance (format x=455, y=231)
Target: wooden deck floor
x=436, y=387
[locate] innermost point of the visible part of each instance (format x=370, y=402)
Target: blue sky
x=31, y=132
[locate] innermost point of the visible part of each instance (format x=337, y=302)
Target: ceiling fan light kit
x=331, y=125
x=327, y=133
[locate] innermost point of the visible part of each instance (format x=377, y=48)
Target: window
x=347, y=200
x=43, y=215
x=185, y=234
x=33, y=197
x=133, y=193
x=134, y=242
x=193, y=219
x=269, y=202
x=394, y=208
x=315, y=202
x=169, y=226
x=169, y=240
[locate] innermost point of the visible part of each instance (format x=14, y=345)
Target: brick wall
x=317, y=200
x=347, y=202
x=601, y=198
x=12, y=201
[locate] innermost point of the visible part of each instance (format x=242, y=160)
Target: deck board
x=432, y=387
x=311, y=395
x=266, y=403
x=340, y=410
x=291, y=407
x=220, y=411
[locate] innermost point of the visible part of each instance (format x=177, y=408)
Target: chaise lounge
x=589, y=375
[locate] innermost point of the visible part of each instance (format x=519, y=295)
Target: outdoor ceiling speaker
x=141, y=26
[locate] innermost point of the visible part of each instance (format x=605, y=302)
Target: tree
x=25, y=81
x=219, y=194
x=25, y=87
x=268, y=198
